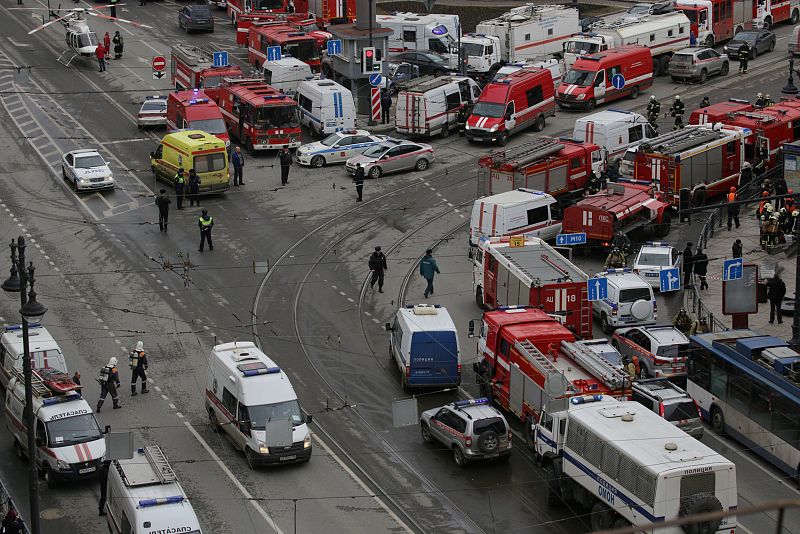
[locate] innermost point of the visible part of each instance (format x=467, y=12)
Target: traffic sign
x=516, y=241
x=618, y=81
x=375, y=79
x=732, y=269
x=273, y=53
x=670, y=280
x=563, y=240
x=598, y=288
x=159, y=63
x=158, y=74
x=334, y=47
x=220, y=59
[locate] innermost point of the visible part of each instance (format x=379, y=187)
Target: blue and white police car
x=338, y=147
x=652, y=258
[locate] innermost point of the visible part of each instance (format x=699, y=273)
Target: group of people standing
x=103, y=50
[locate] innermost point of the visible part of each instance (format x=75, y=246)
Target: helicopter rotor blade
x=117, y=19
x=107, y=6
x=48, y=23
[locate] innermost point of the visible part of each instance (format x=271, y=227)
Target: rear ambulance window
x=209, y=162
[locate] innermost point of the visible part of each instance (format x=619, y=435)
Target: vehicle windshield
x=212, y=81
x=581, y=78
x=634, y=294
x=259, y=415
x=270, y=117
x=691, y=14
x=87, y=162
x=87, y=39
x=495, y=424
x=581, y=47
x=673, y=351
x=489, y=109
x=302, y=50
x=72, y=430
x=640, y=9
x=375, y=151
x=212, y=126
x=267, y=4
x=330, y=140
x=209, y=162
x=473, y=49
x=677, y=411
x=653, y=259
x=156, y=105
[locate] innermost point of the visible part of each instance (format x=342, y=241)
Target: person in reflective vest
x=205, y=223
x=109, y=382
x=180, y=184
x=733, y=209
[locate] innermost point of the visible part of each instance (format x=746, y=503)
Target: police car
x=153, y=111
x=652, y=258
x=661, y=350
x=87, y=170
x=630, y=301
x=338, y=147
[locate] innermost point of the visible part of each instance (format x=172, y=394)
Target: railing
x=6, y=505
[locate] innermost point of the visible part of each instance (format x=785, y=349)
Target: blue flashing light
x=272, y=97
x=14, y=327
x=617, y=110
x=585, y=399
x=58, y=400
x=657, y=244
x=261, y=371
x=620, y=270
x=144, y=503
x=471, y=402
x=198, y=101
x=441, y=29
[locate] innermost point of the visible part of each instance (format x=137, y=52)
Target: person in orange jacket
x=733, y=209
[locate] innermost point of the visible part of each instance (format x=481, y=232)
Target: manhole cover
x=52, y=513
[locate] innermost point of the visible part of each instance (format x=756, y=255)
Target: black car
x=427, y=61
x=760, y=41
x=196, y=17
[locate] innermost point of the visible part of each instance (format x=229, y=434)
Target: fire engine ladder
x=160, y=464
x=600, y=367
x=38, y=386
x=525, y=153
x=539, y=360
x=759, y=117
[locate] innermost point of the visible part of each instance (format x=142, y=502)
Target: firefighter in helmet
x=682, y=321
x=621, y=242
x=653, y=110
x=615, y=259
x=677, y=110
x=760, y=101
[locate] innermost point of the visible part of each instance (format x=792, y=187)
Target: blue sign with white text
x=670, y=280
x=334, y=47
x=570, y=239
x=618, y=81
x=732, y=269
x=598, y=288
x=273, y=53
x=375, y=79
x=220, y=59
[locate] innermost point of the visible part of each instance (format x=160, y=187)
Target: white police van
x=325, y=106
x=44, y=349
x=629, y=302
x=246, y=390
x=69, y=442
x=424, y=345
x=145, y=497
x=652, y=258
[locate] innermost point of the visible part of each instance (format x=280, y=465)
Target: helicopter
x=81, y=40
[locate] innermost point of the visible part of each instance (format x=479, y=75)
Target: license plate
x=86, y=470
x=287, y=458
x=653, y=275
x=493, y=455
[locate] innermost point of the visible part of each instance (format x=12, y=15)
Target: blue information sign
x=598, y=288
x=273, y=53
x=334, y=47
x=732, y=269
x=670, y=280
x=220, y=59
x=618, y=81
x=570, y=239
x=375, y=79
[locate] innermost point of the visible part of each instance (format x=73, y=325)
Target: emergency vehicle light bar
x=657, y=244
x=617, y=110
x=14, y=327
x=161, y=500
x=471, y=402
x=261, y=371
x=586, y=398
x=198, y=101
x=56, y=400
x=620, y=270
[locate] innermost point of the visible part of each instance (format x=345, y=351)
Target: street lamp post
x=789, y=88
x=32, y=311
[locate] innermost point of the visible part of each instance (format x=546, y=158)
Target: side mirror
x=388, y=327
x=152, y=155
x=508, y=116
x=471, y=328
x=309, y=418
x=244, y=426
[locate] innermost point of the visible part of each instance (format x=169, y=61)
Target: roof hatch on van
x=242, y=356
x=325, y=84
x=196, y=136
x=425, y=309
x=257, y=368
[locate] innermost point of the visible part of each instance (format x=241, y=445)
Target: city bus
x=747, y=385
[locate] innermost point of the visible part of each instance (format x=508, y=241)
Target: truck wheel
x=212, y=420
x=50, y=478
x=703, y=76
x=551, y=479
x=700, y=503
x=605, y=326
x=503, y=141
x=425, y=431
x=795, y=16
x=718, y=421
x=445, y=133
x=591, y=104
x=538, y=126
x=250, y=456
x=662, y=229
x=458, y=456
x=620, y=522
x=479, y=296
x=602, y=516
x=489, y=441
x=318, y=162
x=710, y=41
x=634, y=92
x=725, y=69
x=768, y=23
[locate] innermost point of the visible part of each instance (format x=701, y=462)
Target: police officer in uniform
x=744, y=57
x=677, y=110
x=109, y=382
x=377, y=264
x=653, y=110
x=138, y=364
x=358, y=179
x=180, y=185
x=205, y=223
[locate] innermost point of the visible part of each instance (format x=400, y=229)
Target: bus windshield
x=277, y=117
x=302, y=50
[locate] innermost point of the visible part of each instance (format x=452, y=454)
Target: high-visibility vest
x=731, y=197
x=208, y=222
x=179, y=179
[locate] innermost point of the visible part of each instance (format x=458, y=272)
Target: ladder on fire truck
x=539, y=360
x=596, y=364
x=758, y=117
x=160, y=464
x=521, y=155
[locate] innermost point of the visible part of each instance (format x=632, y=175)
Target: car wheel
x=703, y=76
x=591, y=104
x=753, y=53
x=503, y=141
x=772, y=46
x=64, y=173
x=458, y=456
x=50, y=478
x=710, y=41
x=605, y=326
x=318, y=162
x=212, y=420
x=539, y=125
x=392, y=89
x=489, y=441
x=725, y=69
x=421, y=164
x=425, y=431
x=75, y=181
x=718, y=421
x=375, y=172
x=634, y=92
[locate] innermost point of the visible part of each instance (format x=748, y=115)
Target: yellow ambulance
x=192, y=149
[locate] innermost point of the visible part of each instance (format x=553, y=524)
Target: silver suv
x=471, y=428
x=670, y=402
x=697, y=63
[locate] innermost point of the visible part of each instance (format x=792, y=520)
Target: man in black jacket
x=700, y=261
x=377, y=264
x=776, y=290
x=286, y=161
x=386, y=105
x=358, y=179
x=163, y=202
x=688, y=265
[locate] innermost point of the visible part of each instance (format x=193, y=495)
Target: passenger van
x=510, y=105
x=69, y=442
x=590, y=81
x=245, y=392
x=613, y=130
x=423, y=342
x=325, y=106
x=192, y=149
x=144, y=496
x=555, y=67
x=193, y=110
x=44, y=349
x=285, y=74
x=429, y=105
x=517, y=212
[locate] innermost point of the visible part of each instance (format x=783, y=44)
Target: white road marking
x=350, y=299
x=164, y=397
x=342, y=293
x=131, y=140
x=172, y=406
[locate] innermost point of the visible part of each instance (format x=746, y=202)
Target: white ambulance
x=517, y=212
x=246, y=390
x=285, y=74
x=45, y=352
x=145, y=497
x=69, y=442
x=325, y=106
x=429, y=105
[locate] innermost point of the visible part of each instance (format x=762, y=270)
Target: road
x=110, y=278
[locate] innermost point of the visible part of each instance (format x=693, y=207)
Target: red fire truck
x=527, y=358
x=193, y=110
x=532, y=274
x=555, y=166
x=770, y=128
x=300, y=21
x=292, y=42
x=710, y=115
x=624, y=207
x=237, y=8
x=260, y=116
x=715, y=21
x=767, y=13
x=192, y=67
x=324, y=11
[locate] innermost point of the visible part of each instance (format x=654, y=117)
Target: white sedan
x=338, y=147
x=153, y=111
x=652, y=258
x=87, y=170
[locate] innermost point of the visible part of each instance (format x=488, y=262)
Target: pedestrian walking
x=386, y=105
x=286, y=161
x=107, y=45
x=119, y=45
x=163, y=202
x=237, y=161
x=142, y=2
x=744, y=57
x=205, y=223
x=688, y=265
x=700, y=261
x=12, y=522
x=736, y=248
x=653, y=111
x=358, y=179
x=180, y=184
x=377, y=264
x=776, y=290
x=138, y=365
x=76, y=378
x=428, y=268
x=194, y=188
x=733, y=209
x=103, y=479
x=677, y=110
x=100, y=52
x=109, y=382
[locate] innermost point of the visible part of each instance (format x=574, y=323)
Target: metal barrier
x=6, y=504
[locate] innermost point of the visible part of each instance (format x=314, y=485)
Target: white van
x=517, y=212
x=285, y=74
x=244, y=391
x=429, y=105
x=555, y=67
x=45, y=350
x=424, y=345
x=69, y=442
x=144, y=496
x=630, y=300
x=325, y=106
x=613, y=130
